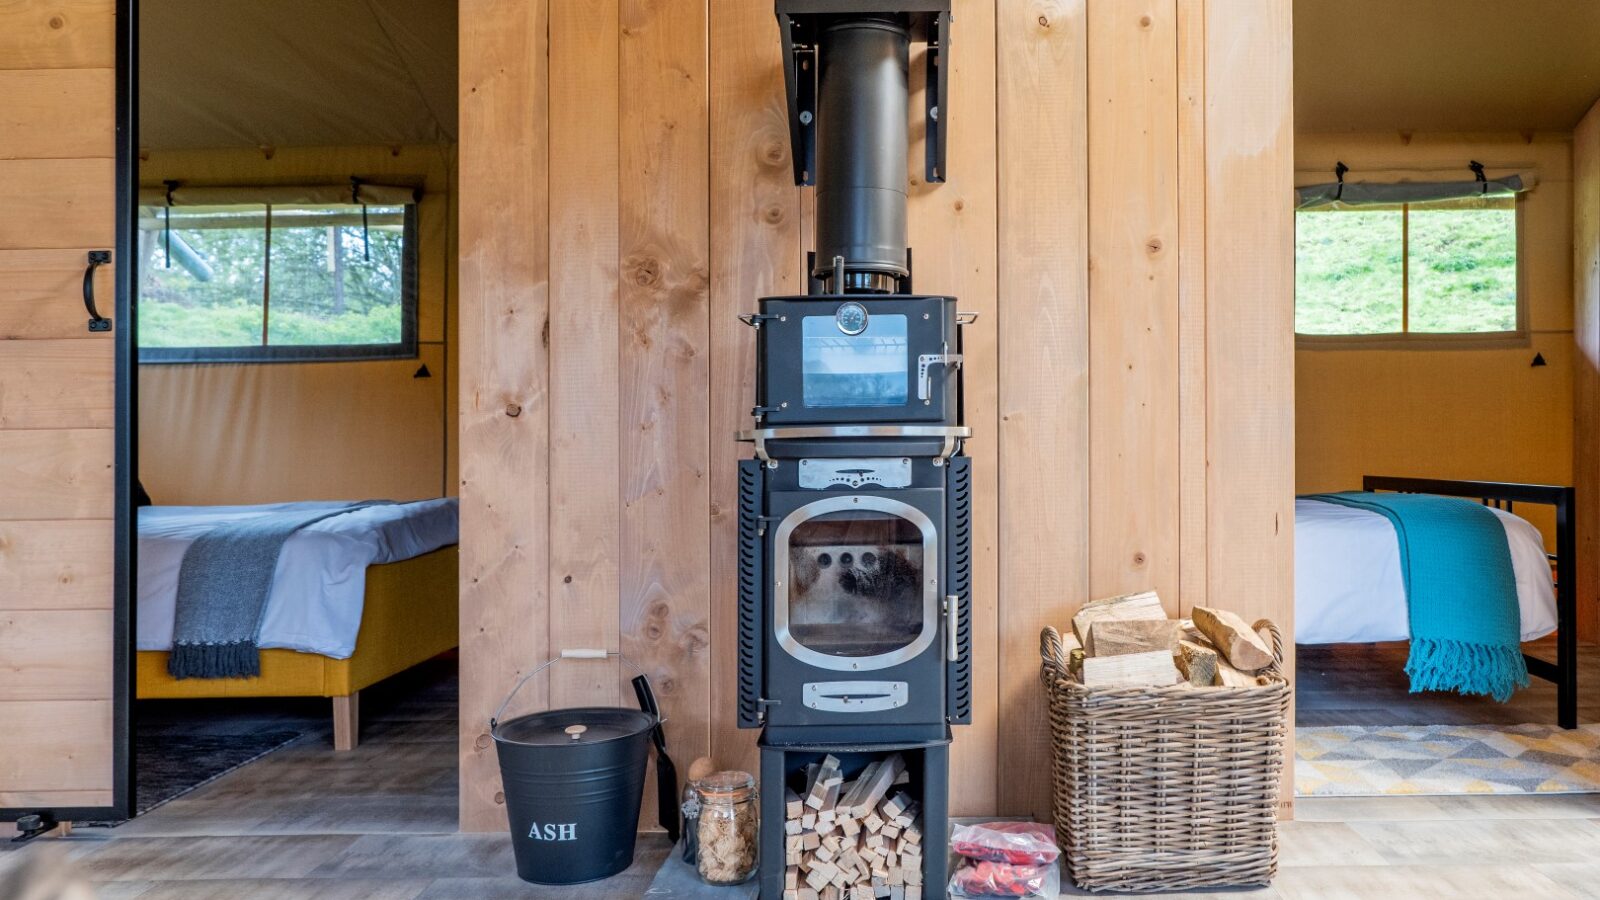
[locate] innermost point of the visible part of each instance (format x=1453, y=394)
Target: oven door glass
x=865, y=369
x=856, y=587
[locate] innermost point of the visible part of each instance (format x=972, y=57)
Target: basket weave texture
x=1166, y=788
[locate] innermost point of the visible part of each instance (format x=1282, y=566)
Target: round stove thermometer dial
x=851, y=318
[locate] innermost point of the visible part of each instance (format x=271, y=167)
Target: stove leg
x=935, y=820
x=772, y=852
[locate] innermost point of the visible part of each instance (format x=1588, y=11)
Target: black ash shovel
x=667, y=799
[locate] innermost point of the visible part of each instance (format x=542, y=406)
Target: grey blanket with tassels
x=223, y=584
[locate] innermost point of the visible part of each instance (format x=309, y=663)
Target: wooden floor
x=379, y=824
x=1366, y=685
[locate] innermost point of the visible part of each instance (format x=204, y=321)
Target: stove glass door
x=868, y=368
x=857, y=587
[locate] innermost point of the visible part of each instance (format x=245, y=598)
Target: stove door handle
x=952, y=623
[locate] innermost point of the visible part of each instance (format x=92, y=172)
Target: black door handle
x=97, y=258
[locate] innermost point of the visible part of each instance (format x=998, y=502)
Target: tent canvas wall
x=305, y=92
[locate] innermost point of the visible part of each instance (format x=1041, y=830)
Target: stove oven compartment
x=857, y=359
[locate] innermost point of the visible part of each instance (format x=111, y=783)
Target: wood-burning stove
x=854, y=516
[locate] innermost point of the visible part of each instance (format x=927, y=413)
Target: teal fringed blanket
x=1466, y=625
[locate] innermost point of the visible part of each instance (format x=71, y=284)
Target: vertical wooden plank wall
x=504, y=378
x=665, y=551
x=1133, y=298
x=585, y=500
x=1249, y=236
x=1586, y=370
x=1192, y=562
x=1116, y=213
x=1044, y=367
x=57, y=121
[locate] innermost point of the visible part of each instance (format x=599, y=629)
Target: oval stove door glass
x=858, y=592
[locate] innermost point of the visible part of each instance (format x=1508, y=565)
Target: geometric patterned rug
x=1368, y=761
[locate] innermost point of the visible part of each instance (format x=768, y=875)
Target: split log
x=1237, y=641
x=1229, y=676
x=1116, y=637
x=1154, y=668
x=1197, y=663
x=873, y=784
x=1145, y=605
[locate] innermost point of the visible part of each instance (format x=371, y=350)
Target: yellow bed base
x=409, y=616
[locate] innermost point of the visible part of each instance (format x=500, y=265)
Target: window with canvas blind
x=1428, y=270
x=247, y=282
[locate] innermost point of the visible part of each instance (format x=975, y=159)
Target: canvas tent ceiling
x=296, y=73
x=1445, y=65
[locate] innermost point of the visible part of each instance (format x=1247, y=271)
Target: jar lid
x=730, y=785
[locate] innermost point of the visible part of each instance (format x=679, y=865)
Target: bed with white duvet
x=319, y=586
x=1348, y=586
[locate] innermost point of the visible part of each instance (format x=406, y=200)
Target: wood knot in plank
x=1153, y=246
x=773, y=152
x=643, y=271
x=1044, y=21
x=773, y=214
x=656, y=616
x=1139, y=560
x=513, y=410
x=57, y=23
x=483, y=741
x=696, y=640
x=1144, y=22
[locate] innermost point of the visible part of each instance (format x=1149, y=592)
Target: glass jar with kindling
x=728, y=827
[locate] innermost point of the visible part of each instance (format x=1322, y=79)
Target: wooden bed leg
x=346, y=721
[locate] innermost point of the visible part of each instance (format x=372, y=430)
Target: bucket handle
x=570, y=653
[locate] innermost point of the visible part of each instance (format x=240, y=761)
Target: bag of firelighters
x=1005, y=859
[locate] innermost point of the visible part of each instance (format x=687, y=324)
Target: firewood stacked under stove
x=853, y=840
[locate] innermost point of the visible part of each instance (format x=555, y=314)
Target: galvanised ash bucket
x=573, y=779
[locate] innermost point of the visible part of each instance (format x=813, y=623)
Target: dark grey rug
x=171, y=765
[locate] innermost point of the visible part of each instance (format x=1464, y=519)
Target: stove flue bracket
x=798, y=20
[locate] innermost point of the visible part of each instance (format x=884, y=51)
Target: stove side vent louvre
x=958, y=584
x=751, y=569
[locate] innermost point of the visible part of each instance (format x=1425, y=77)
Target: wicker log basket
x=1166, y=788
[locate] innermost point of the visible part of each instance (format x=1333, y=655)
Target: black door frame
x=125, y=579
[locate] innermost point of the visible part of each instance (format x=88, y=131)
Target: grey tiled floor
x=379, y=824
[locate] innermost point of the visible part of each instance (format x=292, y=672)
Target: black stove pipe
x=862, y=144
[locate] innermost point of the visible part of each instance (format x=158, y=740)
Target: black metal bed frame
x=1504, y=495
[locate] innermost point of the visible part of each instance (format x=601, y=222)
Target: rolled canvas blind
x=281, y=195
x=1358, y=194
